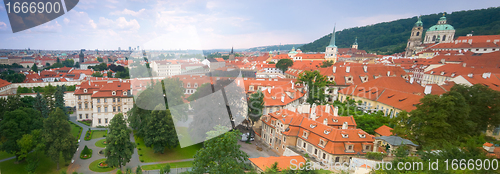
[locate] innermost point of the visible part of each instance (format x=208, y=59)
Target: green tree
x=273, y=169
x=119, y=149
x=68, y=63
x=58, y=138
x=97, y=74
x=58, y=60
x=77, y=65
x=12, y=76
x=110, y=74
x=447, y=114
x=326, y=64
x=160, y=131
x=484, y=106
x=100, y=59
x=221, y=154
x=255, y=107
x=14, y=125
x=283, y=64
x=28, y=142
x=316, y=84
x=165, y=169
x=34, y=68
x=138, y=170
x=59, y=99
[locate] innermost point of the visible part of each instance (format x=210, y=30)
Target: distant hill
x=275, y=47
x=391, y=37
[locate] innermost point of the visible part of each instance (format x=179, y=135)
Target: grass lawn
x=76, y=130
x=172, y=165
x=177, y=153
x=99, y=143
x=45, y=166
x=4, y=155
x=93, y=166
x=99, y=133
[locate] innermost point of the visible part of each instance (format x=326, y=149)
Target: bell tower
x=331, y=50
x=415, y=38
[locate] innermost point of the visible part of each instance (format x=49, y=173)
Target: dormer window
x=189, y=85
x=84, y=90
x=327, y=131
x=312, y=125
x=362, y=135
x=124, y=92
x=321, y=143
x=345, y=136
x=113, y=93
x=335, y=120
x=196, y=85
x=304, y=134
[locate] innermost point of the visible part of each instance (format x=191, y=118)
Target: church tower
x=331, y=50
x=231, y=54
x=355, y=45
x=415, y=38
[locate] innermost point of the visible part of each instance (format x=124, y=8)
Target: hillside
x=275, y=47
x=391, y=37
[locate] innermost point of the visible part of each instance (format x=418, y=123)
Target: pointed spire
x=332, y=41
x=356, y=41
x=231, y=49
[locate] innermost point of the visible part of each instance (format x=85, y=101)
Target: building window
x=304, y=145
x=337, y=159
x=87, y=116
x=324, y=155
x=114, y=100
x=118, y=99
x=105, y=120
x=86, y=105
x=79, y=106
x=79, y=97
x=105, y=100
x=315, y=151
x=349, y=147
x=98, y=109
x=114, y=108
x=105, y=109
x=98, y=100
x=99, y=120
x=80, y=116
x=118, y=108
x=367, y=148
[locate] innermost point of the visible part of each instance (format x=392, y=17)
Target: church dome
x=441, y=27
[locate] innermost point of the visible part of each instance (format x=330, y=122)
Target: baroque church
x=439, y=33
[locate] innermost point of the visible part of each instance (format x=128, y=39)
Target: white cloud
x=3, y=25
x=113, y=1
x=66, y=20
x=121, y=23
x=129, y=12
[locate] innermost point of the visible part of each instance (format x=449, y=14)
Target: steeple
x=355, y=45
x=419, y=22
x=332, y=41
x=231, y=50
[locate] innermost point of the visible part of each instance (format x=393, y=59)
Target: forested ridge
x=391, y=37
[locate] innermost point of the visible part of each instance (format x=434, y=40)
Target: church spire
x=332, y=41
x=231, y=50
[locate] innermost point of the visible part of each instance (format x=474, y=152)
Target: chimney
x=428, y=89
x=325, y=121
x=327, y=108
x=411, y=80
x=347, y=69
x=334, y=68
x=344, y=125
x=470, y=75
x=365, y=68
x=283, y=98
x=388, y=73
x=336, y=111
x=443, y=61
x=464, y=64
x=306, y=108
x=292, y=84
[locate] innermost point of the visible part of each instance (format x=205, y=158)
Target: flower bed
x=88, y=135
x=87, y=122
x=86, y=153
x=102, y=164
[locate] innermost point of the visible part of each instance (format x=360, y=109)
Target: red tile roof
x=487, y=144
x=357, y=72
x=4, y=83
x=274, y=96
x=284, y=162
x=384, y=130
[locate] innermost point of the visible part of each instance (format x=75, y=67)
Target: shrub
x=375, y=155
x=119, y=171
x=138, y=143
x=140, y=154
x=138, y=170
x=306, y=155
x=139, y=148
x=86, y=151
x=142, y=161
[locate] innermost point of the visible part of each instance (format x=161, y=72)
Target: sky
x=212, y=24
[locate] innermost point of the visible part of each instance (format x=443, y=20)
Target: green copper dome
x=441, y=27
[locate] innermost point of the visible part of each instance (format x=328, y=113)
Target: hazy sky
x=188, y=24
